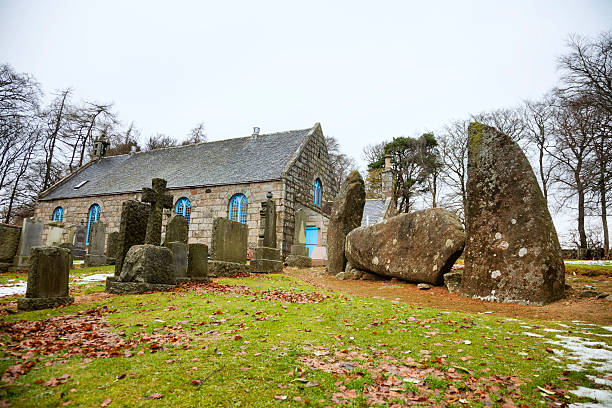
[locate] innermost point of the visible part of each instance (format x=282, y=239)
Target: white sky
x=367, y=71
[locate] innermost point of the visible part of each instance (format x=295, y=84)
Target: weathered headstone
x=197, y=266
x=132, y=229
x=159, y=200
x=97, y=240
x=47, y=279
x=31, y=236
x=177, y=229
x=346, y=216
x=179, y=252
x=267, y=257
x=68, y=246
x=79, y=239
x=228, y=248
x=418, y=247
x=55, y=235
x=9, y=242
x=112, y=247
x=512, y=251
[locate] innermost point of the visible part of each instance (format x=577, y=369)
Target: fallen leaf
x=106, y=402
x=155, y=395
x=280, y=397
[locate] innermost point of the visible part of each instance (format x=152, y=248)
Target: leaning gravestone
x=418, y=247
x=197, y=265
x=31, y=236
x=97, y=240
x=132, y=229
x=177, y=229
x=228, y=248
x=512, y=252
x=9, y=242
x=267, y=256
x=79, y=237
x=346, y=216
x=147, y=267
x=47, y=279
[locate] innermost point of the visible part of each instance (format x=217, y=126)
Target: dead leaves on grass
x=278, y=295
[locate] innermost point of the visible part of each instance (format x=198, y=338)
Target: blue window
x=317, y=192
x=58, y=214
x=94, y=215
x=238, y=208
x=183, y=207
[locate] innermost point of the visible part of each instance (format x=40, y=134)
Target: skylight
x=81, y=184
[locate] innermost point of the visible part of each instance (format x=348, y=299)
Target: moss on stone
x=475, y=131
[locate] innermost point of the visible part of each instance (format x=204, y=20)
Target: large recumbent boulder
x=417, y=247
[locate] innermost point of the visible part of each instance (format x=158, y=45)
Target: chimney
x=255, y=131
x=388, y=162
x=99, y=147
x=387, y=179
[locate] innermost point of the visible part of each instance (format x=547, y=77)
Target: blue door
x=312, y=238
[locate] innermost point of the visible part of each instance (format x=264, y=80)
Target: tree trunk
x=604, y=217
x=544, y=189
x=581, y=230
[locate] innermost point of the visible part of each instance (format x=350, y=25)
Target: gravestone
x=68, y=246
x=112, y=247
x=31, y=236
x=197, y=265
x=79, y=237
x=267, y=257
x=512, y=252
x=97, y=239
x=55, y=235
x=346, y=216
x=179, y=252
x=132, y=229
x=9, y=242
x=147, y=267
x=47, y=279
x=177, y=229
x=159, y=200
x=228, y=248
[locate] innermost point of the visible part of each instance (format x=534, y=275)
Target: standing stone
x=346, y=216
x=179, y=252
x=512, y=251
x=418, y=247
x=228, y=248
x=197, y=265
x=79, y=237
x=47, y=279
x=267, y=257
x=97, y=239
x=177, y=229
x=31, y=236
x=55, y=235
x=112, y=247
x=159, y=200
x=9, y=242
x=148, y=264
x=132, y=229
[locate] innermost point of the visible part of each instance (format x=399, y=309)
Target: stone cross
x=159, y=200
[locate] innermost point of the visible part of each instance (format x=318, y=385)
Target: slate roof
x=231, y=161
x=372, y=211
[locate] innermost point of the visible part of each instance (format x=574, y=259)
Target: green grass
x=589, y=270
x=246, y=350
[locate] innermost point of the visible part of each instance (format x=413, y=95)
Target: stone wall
x=204, y=207
x=311, y=162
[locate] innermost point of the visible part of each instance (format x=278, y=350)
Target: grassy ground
x=273, y=340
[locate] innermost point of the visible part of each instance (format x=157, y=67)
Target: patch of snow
x=586, y=352
x=553, y=330
x=93, y=278
x=600, y=381
x=603, y=397
x=529, y=334
x=18, y=288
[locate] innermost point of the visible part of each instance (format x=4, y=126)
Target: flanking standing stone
x=417, y=247
x=228, y=248
x=47, y=279
x=112, y=247
x=346, y=216
x=179, y=252
x=267, y=257
x=97, y=240
x=9, y=242
x=512, y=251
x=31, y=236
x=197, y=265
x=132, y=229
x=177, y=229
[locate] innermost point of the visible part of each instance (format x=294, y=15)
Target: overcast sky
x=367, y=71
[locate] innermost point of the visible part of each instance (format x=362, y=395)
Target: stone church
x=227, y=178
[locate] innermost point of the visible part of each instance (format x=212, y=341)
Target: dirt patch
x=573, y=307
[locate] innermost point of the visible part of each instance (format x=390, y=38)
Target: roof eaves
x=64, y=180
x=298, y=152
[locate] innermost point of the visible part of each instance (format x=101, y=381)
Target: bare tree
x=453, y=152
x=508, y=121
x=55, y=117
x=373, y=182
x=160, y=141
x=123, y=142
x=196, y=135
x=341, y=164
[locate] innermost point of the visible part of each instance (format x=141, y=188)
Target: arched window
x=317, y=192
x=238, y=208
x=58, y=214
x=94, y=215
x=183, y=207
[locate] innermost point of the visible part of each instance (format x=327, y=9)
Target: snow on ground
x=19, y=287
